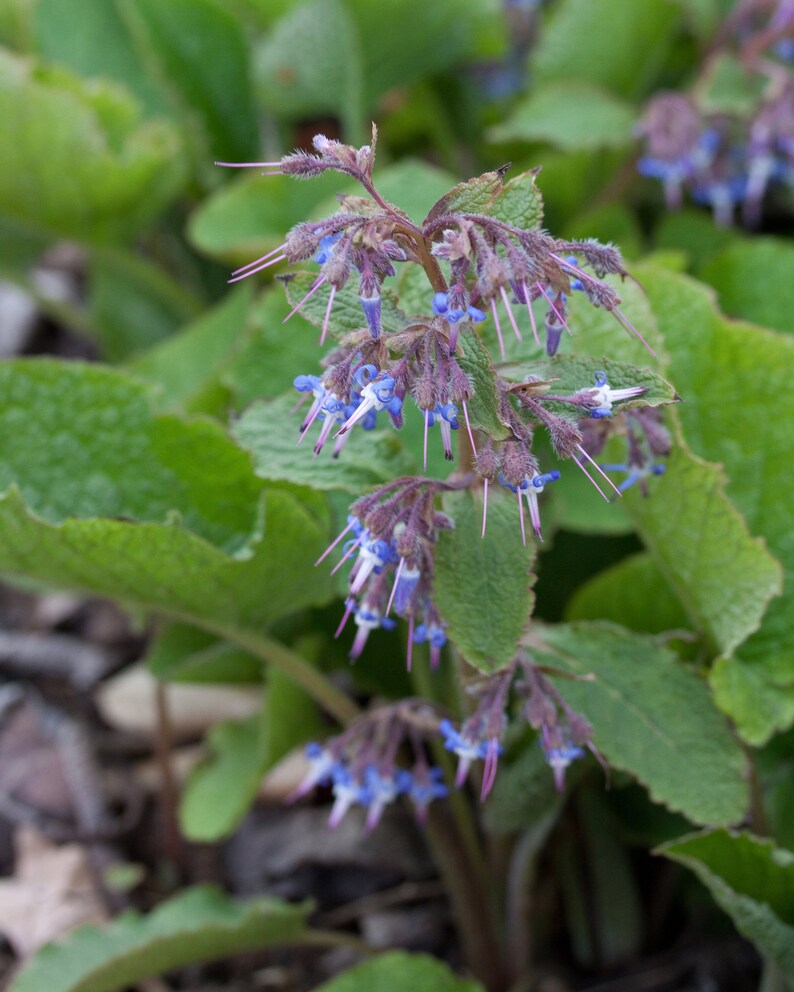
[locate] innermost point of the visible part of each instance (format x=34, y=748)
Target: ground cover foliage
x=550, y=241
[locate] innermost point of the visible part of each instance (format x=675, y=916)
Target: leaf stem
x=322, y=690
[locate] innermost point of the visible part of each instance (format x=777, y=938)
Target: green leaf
x=729, y=87
x=180, y=653
x=616, y=44
x=169, y=520
x=519, y=202
x=67, y=33
x=298, y=73
x=752, y=279
x=442, y=34
x=133, y=304
x=107, y=454
x=484, y=405
x=570, y=373
x=198, y=53
x=75, y=160
x=475, y=196
x=752, y=880
x=723, y=577
x=745, y=372
x=397, y=971
x=200, y=924
x=219, y=791
x=653, y=718
x=269, y=430
x=632, y=593
x=185, y=365
x=571, y=116
x=483, y=585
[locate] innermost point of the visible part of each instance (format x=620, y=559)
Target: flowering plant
x=481, y=519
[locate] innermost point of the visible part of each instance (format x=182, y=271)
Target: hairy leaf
x=652, y=717
x=751, y=277
x=617, y=44
x=269, y=431
x=569, y=115
x=519, y=202
x=80, y=164
x=483, y=407
x=475, y=196
x=199, y=924
x=740, y=376
x=179, y=41
x=483, y=585
x=632, y=593
x=568, y=374
x=752, y=880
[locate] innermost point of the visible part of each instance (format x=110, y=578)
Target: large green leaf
x=181, y=653
x=569, y=115
x=81, y=441
x=400, y=972
x=723, y=577
x=618, y=44
x=199, y=924
x=187, y=365
x=197, y=51
x=652, y=717
x=75, y=160
x=752, y=880
x=632, y=593
x=483, y=585
x=269, y=430
x=474, y=196
x=753, y=281
x=155, y=511
x=68, y=33
x=299, y=73
x=740, y=376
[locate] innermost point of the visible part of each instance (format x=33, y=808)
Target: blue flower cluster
x=371, y=785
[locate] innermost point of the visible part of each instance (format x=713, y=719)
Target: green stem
x=322, y=690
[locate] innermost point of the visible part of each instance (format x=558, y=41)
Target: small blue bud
x=440, y=303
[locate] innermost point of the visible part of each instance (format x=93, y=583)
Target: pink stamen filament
x=328, y=314
x=498, y=330
x=348, y=553
x=531, y=314
x=556, y=311
x=263, y=258
x=250, y=165
x=394, y=586
x=590, y=478
x=468, y=427
x=264, y=265
x=336, y=541
x=484, y=505
x=521, y=515
x=510, y=316
x=598, y=469
x=311, y=293
x=424, y=452
x=345, y=618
